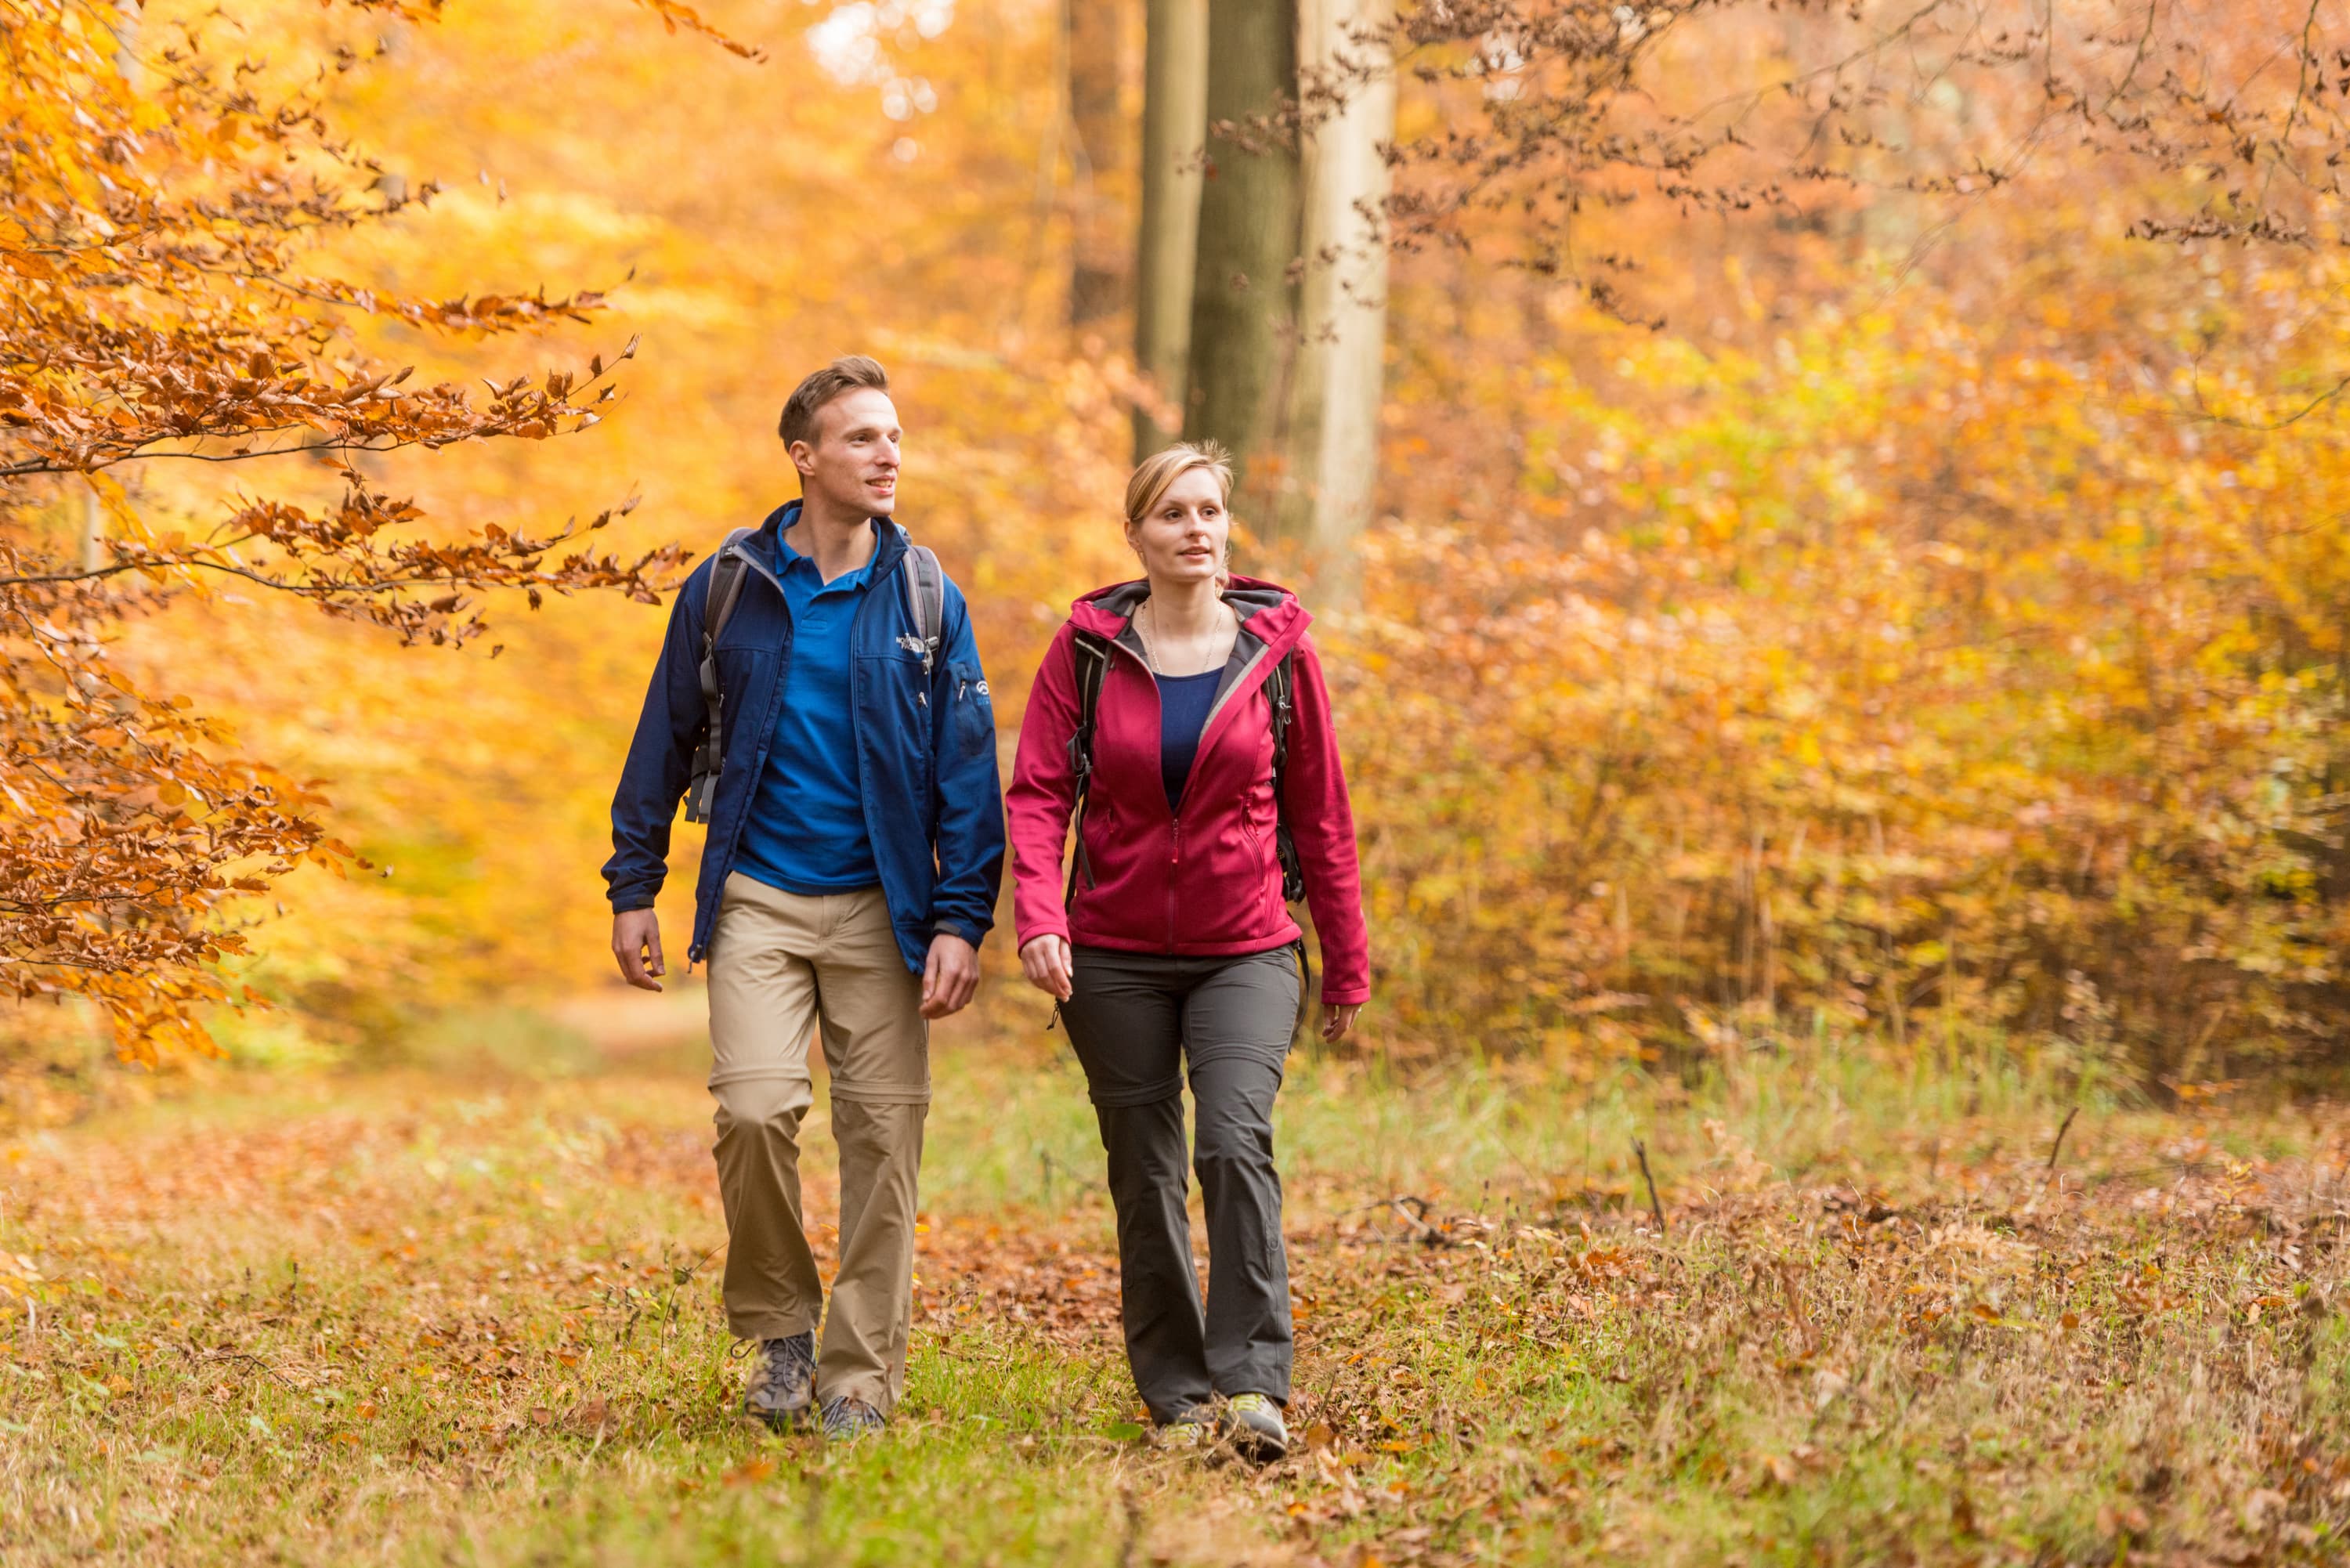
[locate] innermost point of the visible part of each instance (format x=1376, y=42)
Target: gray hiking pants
x=1135, y=1019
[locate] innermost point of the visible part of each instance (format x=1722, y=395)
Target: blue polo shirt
x=805, y=831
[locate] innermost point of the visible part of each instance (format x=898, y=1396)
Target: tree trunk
x=1331, y=463
x=1174, y=131
x=1245, y=298
x=1100, y=267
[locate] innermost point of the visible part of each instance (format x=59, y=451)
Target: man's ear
x=803, y=458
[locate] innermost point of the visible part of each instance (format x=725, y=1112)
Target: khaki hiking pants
x=781, y=964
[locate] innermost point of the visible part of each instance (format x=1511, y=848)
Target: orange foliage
x=1930, y=620
x=158, y=304
x=481, y=786
x=1933, y=626
x=1910, y=670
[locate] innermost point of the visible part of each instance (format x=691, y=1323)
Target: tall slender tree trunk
x=1245, y=298
x=1174, y=131
x=1331, y=463
x=1100, y=267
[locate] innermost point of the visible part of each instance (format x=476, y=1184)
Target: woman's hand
x=1337, y=1021
x=1047, y=962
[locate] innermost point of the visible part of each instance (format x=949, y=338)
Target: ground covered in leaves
x=398, y=1320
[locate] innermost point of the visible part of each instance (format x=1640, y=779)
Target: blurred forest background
x=1828, y=526
x=1829, y=520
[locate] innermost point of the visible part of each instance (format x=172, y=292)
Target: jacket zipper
x=1230, y=692
x=1174, y=859
x=1175, y=816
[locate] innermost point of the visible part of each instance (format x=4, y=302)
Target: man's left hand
x=951, y=977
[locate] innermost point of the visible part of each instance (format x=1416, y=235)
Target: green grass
x=411, y=1319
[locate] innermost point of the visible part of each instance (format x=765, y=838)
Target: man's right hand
x=636, y=942
x=1046, y=961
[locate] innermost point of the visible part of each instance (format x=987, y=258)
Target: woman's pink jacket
x=1204, y=879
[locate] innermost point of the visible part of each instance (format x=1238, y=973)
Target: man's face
x=852, y=463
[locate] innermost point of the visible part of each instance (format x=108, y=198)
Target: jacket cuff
x=1347, y=996
x=972, y=934
x=1051, y=927
x=636, y=899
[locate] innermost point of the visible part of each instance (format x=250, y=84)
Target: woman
x=1170, y=943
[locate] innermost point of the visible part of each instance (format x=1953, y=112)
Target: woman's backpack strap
x=717, y=608
x=1090, y=652
x=1279, y=687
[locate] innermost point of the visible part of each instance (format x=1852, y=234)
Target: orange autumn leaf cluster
x=1926, y=618
x=2212, y=120
x=1929, y=676
x=157, y=304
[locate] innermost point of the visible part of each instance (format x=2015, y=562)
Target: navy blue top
x=1183, y=704
x=805, y=833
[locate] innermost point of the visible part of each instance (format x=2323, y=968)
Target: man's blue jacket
x=925, y=750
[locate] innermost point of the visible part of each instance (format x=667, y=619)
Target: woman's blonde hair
x=1159, y=470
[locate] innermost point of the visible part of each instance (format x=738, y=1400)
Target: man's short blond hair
x=849, y=373
x=1157, y=473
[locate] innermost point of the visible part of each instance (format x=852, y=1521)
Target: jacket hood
x=1268, y=612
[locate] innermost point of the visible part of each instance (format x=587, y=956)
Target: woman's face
x=1182, y=539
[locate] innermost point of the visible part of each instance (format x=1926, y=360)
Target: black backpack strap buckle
x=926, y=603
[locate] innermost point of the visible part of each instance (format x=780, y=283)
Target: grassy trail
x=392, y=1321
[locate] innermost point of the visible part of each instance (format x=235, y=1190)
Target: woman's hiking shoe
x=1193, y=1431
x=847, y=1418
x=1253, y=1425
x=783, y=1381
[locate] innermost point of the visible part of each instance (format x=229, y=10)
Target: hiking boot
x=1253, y=1424
x=783, y=1381
x=1194, y=1431
x=847, y=1418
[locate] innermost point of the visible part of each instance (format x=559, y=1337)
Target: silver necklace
x=1149, y=654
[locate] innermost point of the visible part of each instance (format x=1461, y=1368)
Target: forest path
x=394, y=1320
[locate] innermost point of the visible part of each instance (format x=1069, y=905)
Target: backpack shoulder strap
x=725, y=588
x=1089, y=651
x=926, y=601
x=717, y=607
x=1279, y=688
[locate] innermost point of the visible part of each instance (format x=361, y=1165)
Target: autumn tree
x=1550, y=117
x=1245, y=286
x=1261, y=307
x=1174, y=133
x=1331, y=461
x=162, y=201
x=1555, y=117
x=1873, y=558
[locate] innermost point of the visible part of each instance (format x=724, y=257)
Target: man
x=856, y=842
